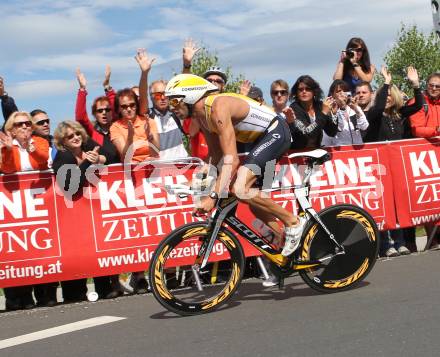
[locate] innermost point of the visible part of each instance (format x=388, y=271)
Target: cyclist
x=226, y=119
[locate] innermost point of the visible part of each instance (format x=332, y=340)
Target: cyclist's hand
x=205, y=205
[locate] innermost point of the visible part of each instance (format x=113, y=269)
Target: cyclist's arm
x=222, y=122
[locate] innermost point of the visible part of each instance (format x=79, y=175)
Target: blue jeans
x=394, y=238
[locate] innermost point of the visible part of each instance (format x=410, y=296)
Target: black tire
x=356, y=231
x=176, y=289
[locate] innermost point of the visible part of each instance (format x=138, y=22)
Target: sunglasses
x=158, y=95
x=174, y=102
x=219, y=81
x=279, y=92
x=20, y=124
x=104, y=110
x=71, y=136
x=359, y=50
x=129, y=105
x=304, y=89
x=43, y=122
x=434, y=86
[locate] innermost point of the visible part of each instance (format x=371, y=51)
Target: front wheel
x=356, y=231
x=180, y=285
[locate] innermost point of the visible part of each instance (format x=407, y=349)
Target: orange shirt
x=18, y=159
x=142, y=150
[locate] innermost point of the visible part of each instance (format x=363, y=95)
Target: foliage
x=205, y=59
x=412, y=48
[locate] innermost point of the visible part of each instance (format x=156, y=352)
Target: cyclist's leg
x=256, y=199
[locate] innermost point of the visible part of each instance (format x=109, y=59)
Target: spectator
x=311, y=116
x=216, y=76
x=21, y=151
x=256, y=94
x=77, y=149
x=388, y=117
x=354, y=64
x=168, y=124
x=99, y=131
x=41, y=128
x=364, y=95
x=350, y=118
x=189, y=50
x=8, y=103
x=425, y=123
x=135, y=135
x=134, y=130
x=279, y=92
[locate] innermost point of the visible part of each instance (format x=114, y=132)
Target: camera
x=349, y=53
x=348, y=94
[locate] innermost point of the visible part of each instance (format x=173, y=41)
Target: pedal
x=281, y=283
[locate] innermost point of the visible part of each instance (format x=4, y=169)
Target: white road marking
x=59, y=330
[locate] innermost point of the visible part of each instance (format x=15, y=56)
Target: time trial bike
x=338, y=249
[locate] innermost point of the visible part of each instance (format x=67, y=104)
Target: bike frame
x=225, y=213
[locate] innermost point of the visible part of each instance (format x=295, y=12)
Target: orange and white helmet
x=189, y=88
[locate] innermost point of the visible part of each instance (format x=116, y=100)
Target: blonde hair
x=11, y=120
x=60, y=133
x=396, y=95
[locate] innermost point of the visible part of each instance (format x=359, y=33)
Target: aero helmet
x=215, y=70
x=189, y=87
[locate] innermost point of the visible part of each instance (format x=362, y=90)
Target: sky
x=44, y=41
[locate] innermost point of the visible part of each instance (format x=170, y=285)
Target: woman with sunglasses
x=76, y=149
x=102, y=112
x=21, y=151
x=309, y=116
x=134, y=133
x=354, y=64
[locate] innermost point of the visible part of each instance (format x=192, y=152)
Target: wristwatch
x=213, y=195
x=355, y=65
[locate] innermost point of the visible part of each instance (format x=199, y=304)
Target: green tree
x=205, y=59
x=412, y=48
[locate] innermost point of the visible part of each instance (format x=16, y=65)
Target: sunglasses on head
x=42, y=122
x=158, y=95
x=279, y=92
x=20, y=124
x=434, y=86
x=129, y=105
x=71, y=136
x=104, y=110
x=212, y=80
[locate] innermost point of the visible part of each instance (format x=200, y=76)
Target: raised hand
x=189, y=50
x=413, y=76
x=81, y=79
x=386, y=75
x=143, y=60
x=5, y=140
x=107, y=74
x=245, y=87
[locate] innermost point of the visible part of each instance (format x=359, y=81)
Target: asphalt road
x=394, y=312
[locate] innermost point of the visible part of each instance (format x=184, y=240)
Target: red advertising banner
x=116, y=222
x=416, y=180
